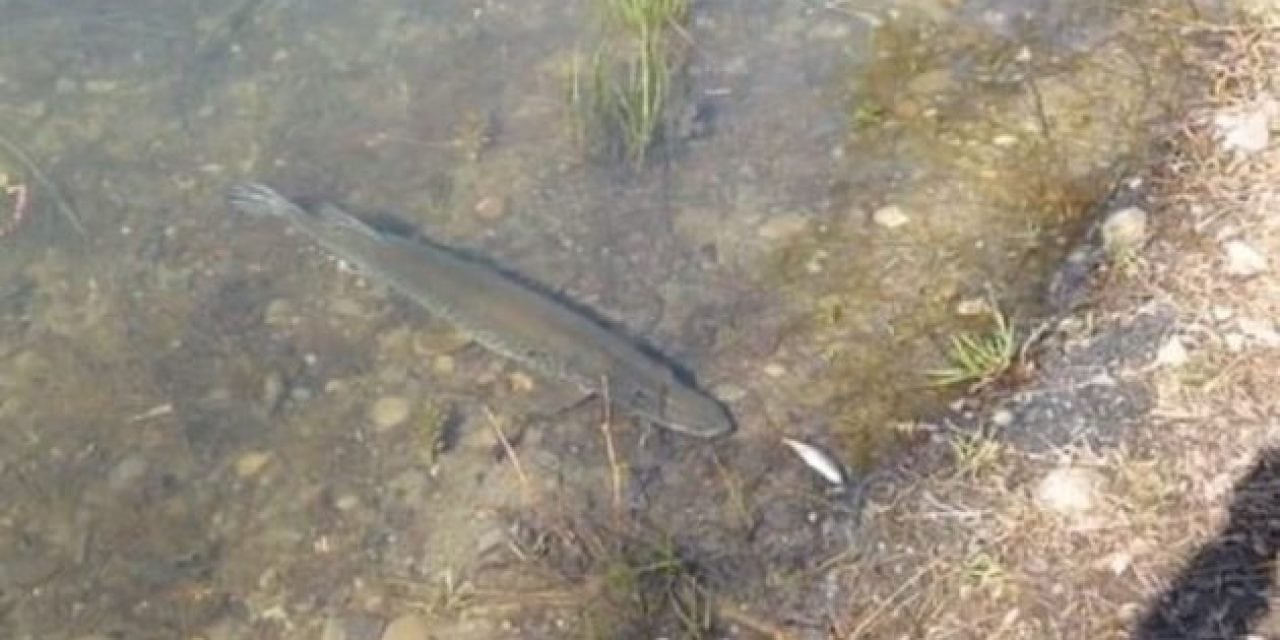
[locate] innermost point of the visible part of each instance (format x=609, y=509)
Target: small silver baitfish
x=503, y=314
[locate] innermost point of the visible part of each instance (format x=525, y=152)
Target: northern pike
x=503, y=314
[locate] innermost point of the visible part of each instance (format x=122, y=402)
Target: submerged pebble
x=389, y=412
x=127, y=473
x=491, y=208
x=782, y=226
x=1124, y=230
x=407, y=627
x=890, y=217
x=249, y=464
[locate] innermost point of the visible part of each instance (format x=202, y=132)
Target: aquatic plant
x=619, y=101
x=979, y=358
x=641, y=16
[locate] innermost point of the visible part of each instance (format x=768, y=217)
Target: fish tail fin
x=260, y=200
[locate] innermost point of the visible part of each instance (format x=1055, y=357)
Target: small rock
x=273, y=388
x=1172, y=353
x=443, y=365
x=775, y=370
x=1118, y=562
x=973, y=307
x=890, y=217
x=1005, y=140
x=816, y=262
x=346, y=502
x=1130, y=611
x=521, y=382
x=730, y=392
x=333, y=629
x=1243, y=260
x=1261, y=331
x=783, y=226
x=351, y=626
x=407, y=627
x=249, y=464
x=1247, y=132
x=389, y=412
x=1070, y=491
x=127, y=473
x=1222, y=313
x=1002, y=417
x=1234, y=342
x=279, y=313
x=491, y=208
x=1124, y=230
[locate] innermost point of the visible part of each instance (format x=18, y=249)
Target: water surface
x=194, y=437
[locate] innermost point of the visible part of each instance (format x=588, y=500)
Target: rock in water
x=389, y=412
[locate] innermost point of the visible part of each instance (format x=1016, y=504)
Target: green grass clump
x=979, y=358
x=619, y=101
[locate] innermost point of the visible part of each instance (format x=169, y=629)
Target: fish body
x=504, y=315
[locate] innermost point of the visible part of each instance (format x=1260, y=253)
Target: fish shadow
x=1225, y=587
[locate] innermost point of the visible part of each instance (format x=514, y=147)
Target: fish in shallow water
x=504, y=315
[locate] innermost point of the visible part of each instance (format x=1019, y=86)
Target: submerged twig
x=45, y=183
x=606, y=427
x=525, y=487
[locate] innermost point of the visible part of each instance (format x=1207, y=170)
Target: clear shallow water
x=193, y=436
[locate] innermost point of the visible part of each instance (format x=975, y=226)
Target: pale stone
x=1124, y=230
x=1246, y=131
x=127, y=473
x=1261, y=331
x=443, y=365
x=1002, y=417
x=1005, y=140
x=1118, y=562
x=890, y=217
x=249, y=464
x=782, y=226
x=1234, y=342
x=521, y=382
x=973, y=307
x=1172, y=353
x=491, y=207
x=1243, y=260
x=389, y=412
x=1070, y=491
x=407, y=627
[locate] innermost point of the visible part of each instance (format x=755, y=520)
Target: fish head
x=680, y=408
